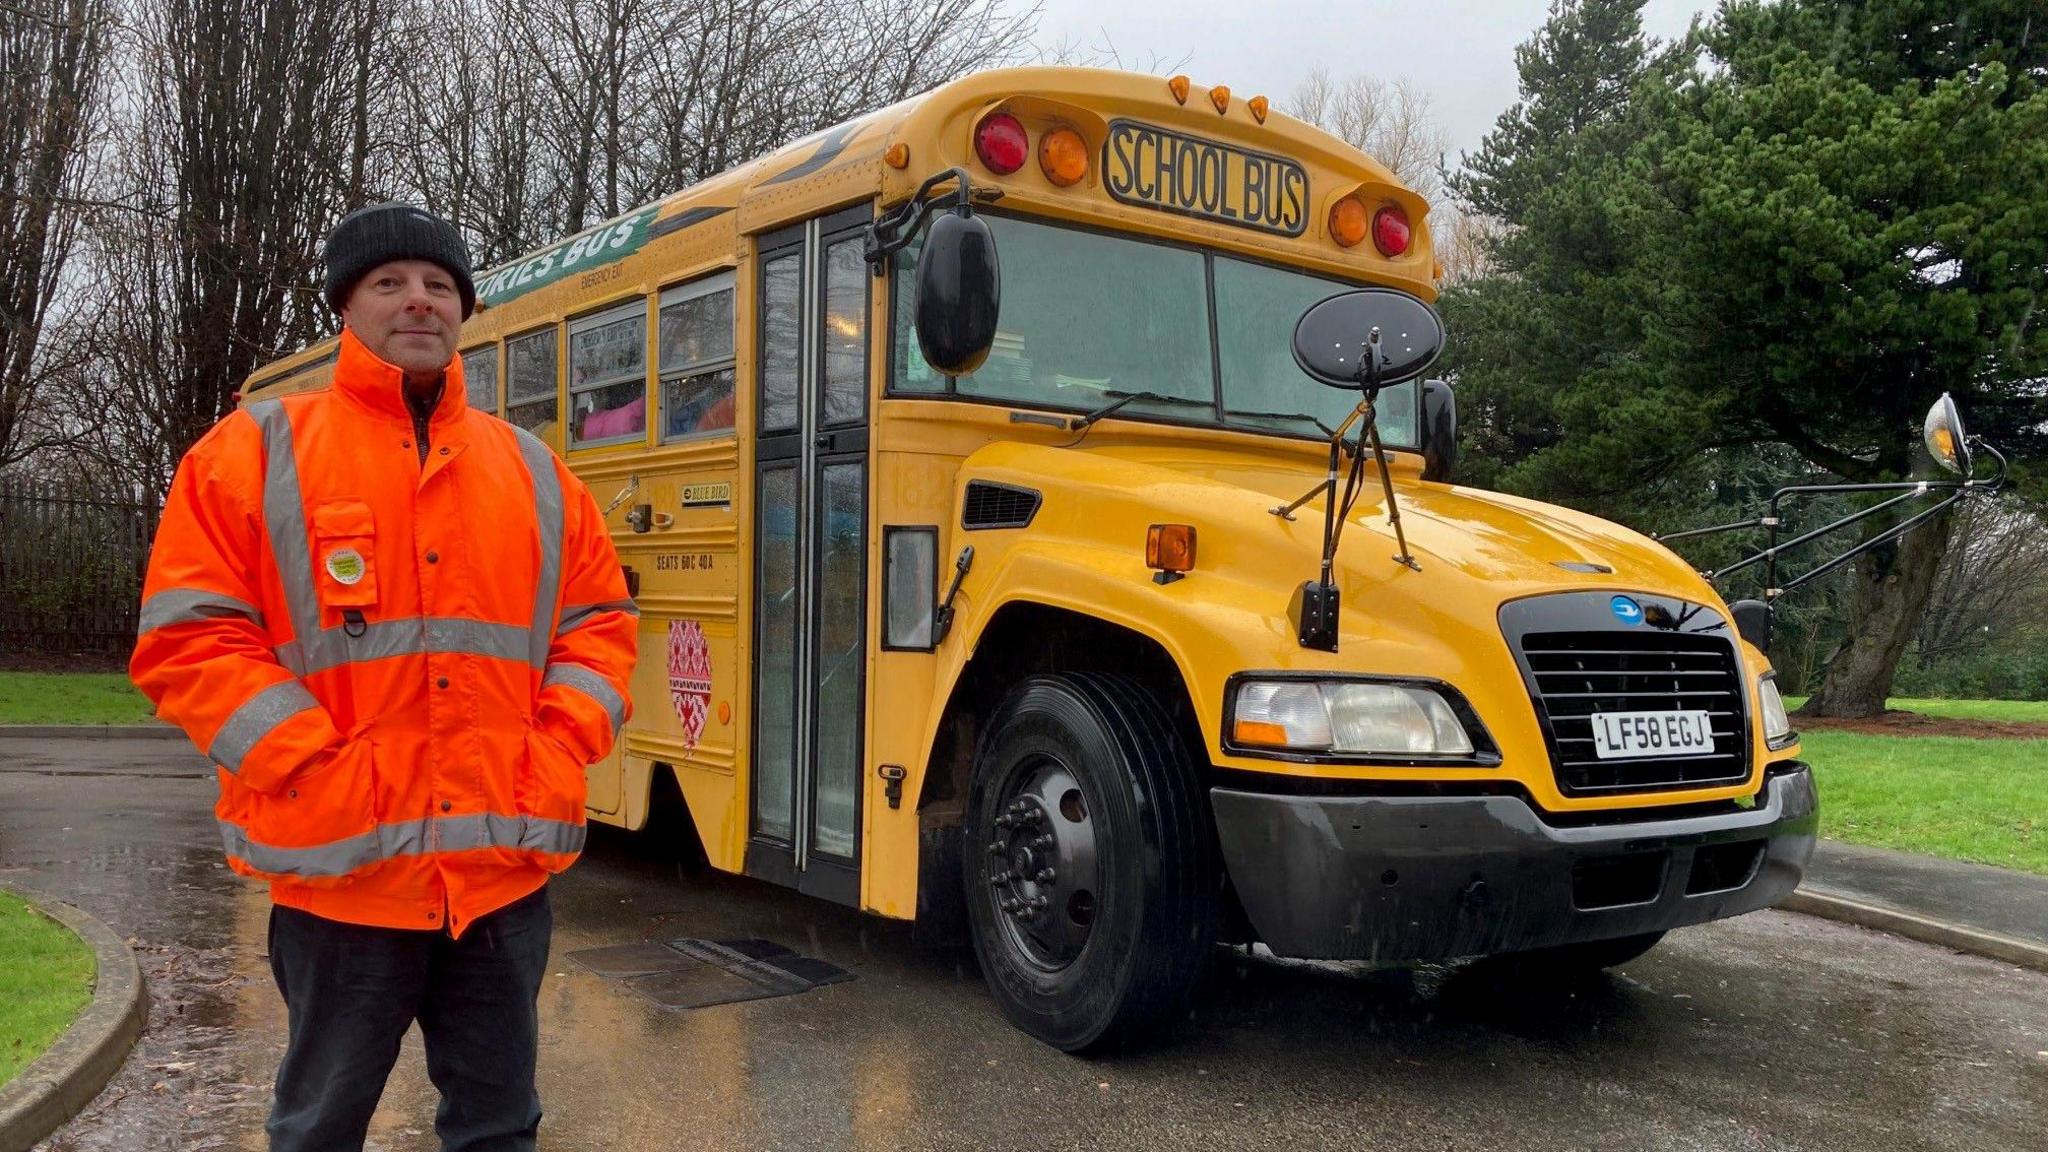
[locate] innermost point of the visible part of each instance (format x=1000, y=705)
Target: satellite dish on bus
x=1333, y=338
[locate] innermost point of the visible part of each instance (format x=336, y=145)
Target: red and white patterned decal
x=689, y=677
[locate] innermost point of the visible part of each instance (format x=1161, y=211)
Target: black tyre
x=1090, y=861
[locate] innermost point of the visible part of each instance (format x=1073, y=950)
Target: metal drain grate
x=699, y=973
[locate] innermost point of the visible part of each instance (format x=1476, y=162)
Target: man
x=399, y=628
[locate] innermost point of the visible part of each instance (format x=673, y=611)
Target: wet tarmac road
x=1773, y=1031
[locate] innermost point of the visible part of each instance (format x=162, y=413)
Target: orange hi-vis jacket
x=400, y=668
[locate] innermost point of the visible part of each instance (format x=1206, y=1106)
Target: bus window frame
x=561, y=374
x=949, y=394
x=602, y=315
x=497, y=350
x=696, y=288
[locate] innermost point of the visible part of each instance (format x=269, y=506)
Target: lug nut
x=1044, y=840
x=1045, y=876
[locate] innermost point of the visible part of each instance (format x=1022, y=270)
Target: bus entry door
x=810, y=583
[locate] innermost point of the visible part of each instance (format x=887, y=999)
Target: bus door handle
x=826, y=440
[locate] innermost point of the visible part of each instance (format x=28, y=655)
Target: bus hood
x=1511, y=546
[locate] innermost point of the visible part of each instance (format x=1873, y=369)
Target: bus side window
x=480, y=378
x=608, y=376
x=697, y=357
x=530, y=364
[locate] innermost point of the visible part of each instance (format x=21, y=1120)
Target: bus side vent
x=992, y=505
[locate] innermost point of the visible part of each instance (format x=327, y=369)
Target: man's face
x=407, y=312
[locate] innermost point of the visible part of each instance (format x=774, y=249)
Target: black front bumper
x=1401, y=878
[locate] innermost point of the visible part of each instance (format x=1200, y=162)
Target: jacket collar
x=378, y=388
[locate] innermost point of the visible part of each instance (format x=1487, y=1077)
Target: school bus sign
x=1190, y=176
x=597, y=247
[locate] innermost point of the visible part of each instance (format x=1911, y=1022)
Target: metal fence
x=71, y=566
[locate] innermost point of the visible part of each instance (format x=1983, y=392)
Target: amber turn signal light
x=1063, y=156
x=1347, y=221
x=1170, y=547
x=898, y=155
x=1258, y=732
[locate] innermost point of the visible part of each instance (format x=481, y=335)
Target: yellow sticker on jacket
x=346, y=565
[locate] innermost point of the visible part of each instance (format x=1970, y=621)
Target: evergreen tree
x=1798, y=230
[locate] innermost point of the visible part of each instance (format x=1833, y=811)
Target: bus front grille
x=1573, y=675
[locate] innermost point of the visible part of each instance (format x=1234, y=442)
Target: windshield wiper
x=1123, y=398
x=1327, y=430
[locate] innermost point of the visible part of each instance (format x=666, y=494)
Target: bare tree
x=1993, y=579
x=1461, y=238
x=1387, y=120
x=242, y=143
x=52, y=68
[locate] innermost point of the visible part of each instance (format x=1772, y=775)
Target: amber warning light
x=1170, y=549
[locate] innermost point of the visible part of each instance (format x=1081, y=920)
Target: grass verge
x=2023, y=710
x=71, y=698
x=2034, y=710
x=46, y=976
x=1984, y=801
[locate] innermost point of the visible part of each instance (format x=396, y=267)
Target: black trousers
x=352, y=991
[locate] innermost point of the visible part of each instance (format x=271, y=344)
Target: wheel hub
x=1042, y=875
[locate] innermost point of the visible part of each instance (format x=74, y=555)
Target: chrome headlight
x=1777, y=725
x=1347, y=718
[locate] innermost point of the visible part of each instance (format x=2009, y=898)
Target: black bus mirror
x=1753, y=623
x=1943, y=432
x=959, y=292
x=1438, y=431
x=1368, y=339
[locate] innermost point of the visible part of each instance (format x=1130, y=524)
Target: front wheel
x=1090, y=862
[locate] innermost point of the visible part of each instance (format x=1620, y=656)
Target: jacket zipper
x=419, y=434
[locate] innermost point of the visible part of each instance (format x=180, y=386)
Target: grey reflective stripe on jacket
x=258, y=716
x=191, y=605
x=404, y=636
x=406, y=838
x=284, y=519
x=590, y=684
x=547, y=505
x=575, y=616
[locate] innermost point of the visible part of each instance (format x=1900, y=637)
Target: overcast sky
x=1461, y=52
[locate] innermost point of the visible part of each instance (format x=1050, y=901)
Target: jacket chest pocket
x=344, y=554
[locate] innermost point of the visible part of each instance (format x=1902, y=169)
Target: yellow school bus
x=992, y=572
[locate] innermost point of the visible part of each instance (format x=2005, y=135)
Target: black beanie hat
x=381, y=233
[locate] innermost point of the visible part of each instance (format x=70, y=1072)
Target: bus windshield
x=1089, y=318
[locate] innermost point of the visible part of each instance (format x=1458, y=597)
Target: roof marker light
x=1258, y=105
x=1220, y=97
x=1063, y=157
x=1347, y=221
x=1179, y=87
x=1390, y=231
x=1001, y=143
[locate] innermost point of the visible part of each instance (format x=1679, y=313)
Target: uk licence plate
x=1636, y=735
